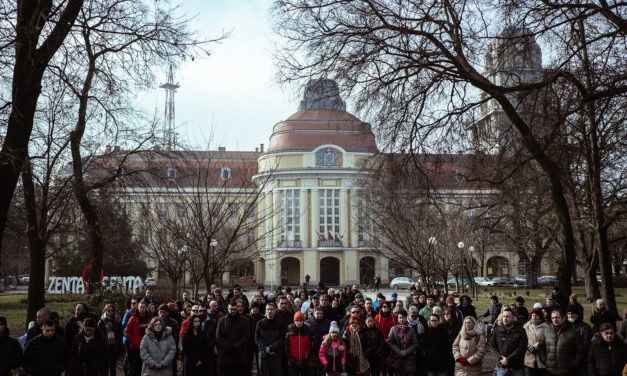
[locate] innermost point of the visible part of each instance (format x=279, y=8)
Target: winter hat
x=599, y=302
x=353, y=318
x=359, y=295
x=538, y=312
x=573, y=309
x=3, y=320
x=172, y=306
x=334, y=327
x=394, y=295
x=537, y=306
x=413, y=309
x=298, y=316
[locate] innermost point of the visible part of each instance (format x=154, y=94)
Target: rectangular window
x=250, y=236
x=128, y=209
x=329, y=225
x=180, y=211
x=289, y=201
x=233, y=212
x=163, y=210
x=363, y=224
x=144, y=213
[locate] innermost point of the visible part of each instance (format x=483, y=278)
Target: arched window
x=225, y=173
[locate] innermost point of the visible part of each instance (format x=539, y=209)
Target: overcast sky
x=228, y=99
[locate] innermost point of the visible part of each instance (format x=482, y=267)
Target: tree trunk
x=591, y=284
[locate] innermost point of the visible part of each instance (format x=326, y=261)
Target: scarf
x=355, y=343
x=402, y=333
x=420, y=329
x=109, y=329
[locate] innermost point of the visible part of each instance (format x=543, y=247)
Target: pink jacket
x=329, y=356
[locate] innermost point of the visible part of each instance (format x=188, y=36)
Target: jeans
x=509, y=372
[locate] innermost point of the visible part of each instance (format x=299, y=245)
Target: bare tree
x=417, y=69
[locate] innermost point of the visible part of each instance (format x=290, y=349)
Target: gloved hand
x=463, y=361
x=531, y=349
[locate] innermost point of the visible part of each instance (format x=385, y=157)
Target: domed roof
x=322, y=119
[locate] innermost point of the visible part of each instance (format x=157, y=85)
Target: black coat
x=232, y=336
x=438, y=351
x=372, y=343
x=195, y=349
x=606, y=360
x=510, y=343
x=45, y=356
x=563, y=349
x=86, y=358
x=270, y=333
x=10, y=354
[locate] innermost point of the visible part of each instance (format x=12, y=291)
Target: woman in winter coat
x=111, y=328
x=607, y=357
x=373, y=346
x=157, y=349
x=403, y=343
x=298, y=347
x=354, y=338
x=437, y=349
x=469, y=349
x=195, y=348
x=86, y=354
x=332, y=352
x=535, y=333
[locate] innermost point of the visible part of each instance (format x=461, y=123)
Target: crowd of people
x=323, y=331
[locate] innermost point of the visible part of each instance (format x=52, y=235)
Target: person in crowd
x=214, y=310
x=403, y=344
x=601, y=314
x=522, y=313
x=551, y=305
x=186, y=298
x=572, y=301
x=332, y=353
x=318, y=327
x=534, y=328
x=585, y=332
x=623, y=326
x=187, y=310
x=10, y=350
x=157, y=349
x=419, y=325
x=372, y=346
x=468, y=349
x=75, y=323
x=232, y=336
x=509, y=341
x=298, y=347
x=562, y=346
x=150, y=298
x=284, y=313
x=111, y=328
x=255, y=316
x=46, y=354
x=270, y=337
x=559, y=298
x=354, y=337
x=44, y=314
x=427, y=310
x=452, y=324
x=466, y=307
x=438, y=352
x=164, y=312
x=86, y=351
x=368, y=311
x=135, y=330
x=131, y=309
x=607, y=357
x=385, y=320
x=195, y=348
x=153, y=310
x=377, y=283
x=493, y=311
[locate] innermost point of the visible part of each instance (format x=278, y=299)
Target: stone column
x=351, y=267
x=268, y=214
x=314, y=213
x=304, y=219
x=344, y=220
x=276, y=217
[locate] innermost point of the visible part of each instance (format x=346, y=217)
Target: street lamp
x=461, y=245
x=471, y=250
x=432, y=242
x=213, y=243
x=183, y=252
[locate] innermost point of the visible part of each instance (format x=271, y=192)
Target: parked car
x=483, y=281
x=463, y=281
x=521, y=280
x=402, y=283
x=547, y=280
x=504, y=282
x=149, y=282
x=23, y=279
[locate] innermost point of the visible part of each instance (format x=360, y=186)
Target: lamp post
x=461, y=246
x=471, y=250
x=183, y=252
x=213, y=243
x=432, y=242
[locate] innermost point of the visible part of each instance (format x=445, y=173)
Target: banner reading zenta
x=78, y=285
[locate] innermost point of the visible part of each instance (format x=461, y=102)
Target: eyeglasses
x=355, y=312
x=194, y=310
x=385, y=306
x=434, y=320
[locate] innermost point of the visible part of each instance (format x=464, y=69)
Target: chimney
x=261, y=148
x=257, y=149
x=221, y=148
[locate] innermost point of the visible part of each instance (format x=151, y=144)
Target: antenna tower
x=169, y=135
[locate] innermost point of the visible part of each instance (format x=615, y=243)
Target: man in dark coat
x=269, y=337
x=509, y=341
x=232, y=333
x=86, y=354
x=42, y=316
x=562, y=346
x=46, y=354
x=75, y=323
x=607, y=357
x=602, y=315
x=10, y=350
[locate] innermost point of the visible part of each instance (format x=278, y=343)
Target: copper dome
x=322, y=119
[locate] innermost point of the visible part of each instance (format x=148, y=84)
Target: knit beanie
x=298, y=316
x=334, y=327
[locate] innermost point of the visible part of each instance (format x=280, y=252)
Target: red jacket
x=135, y=329
x=385, y=323
x=298, y=346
